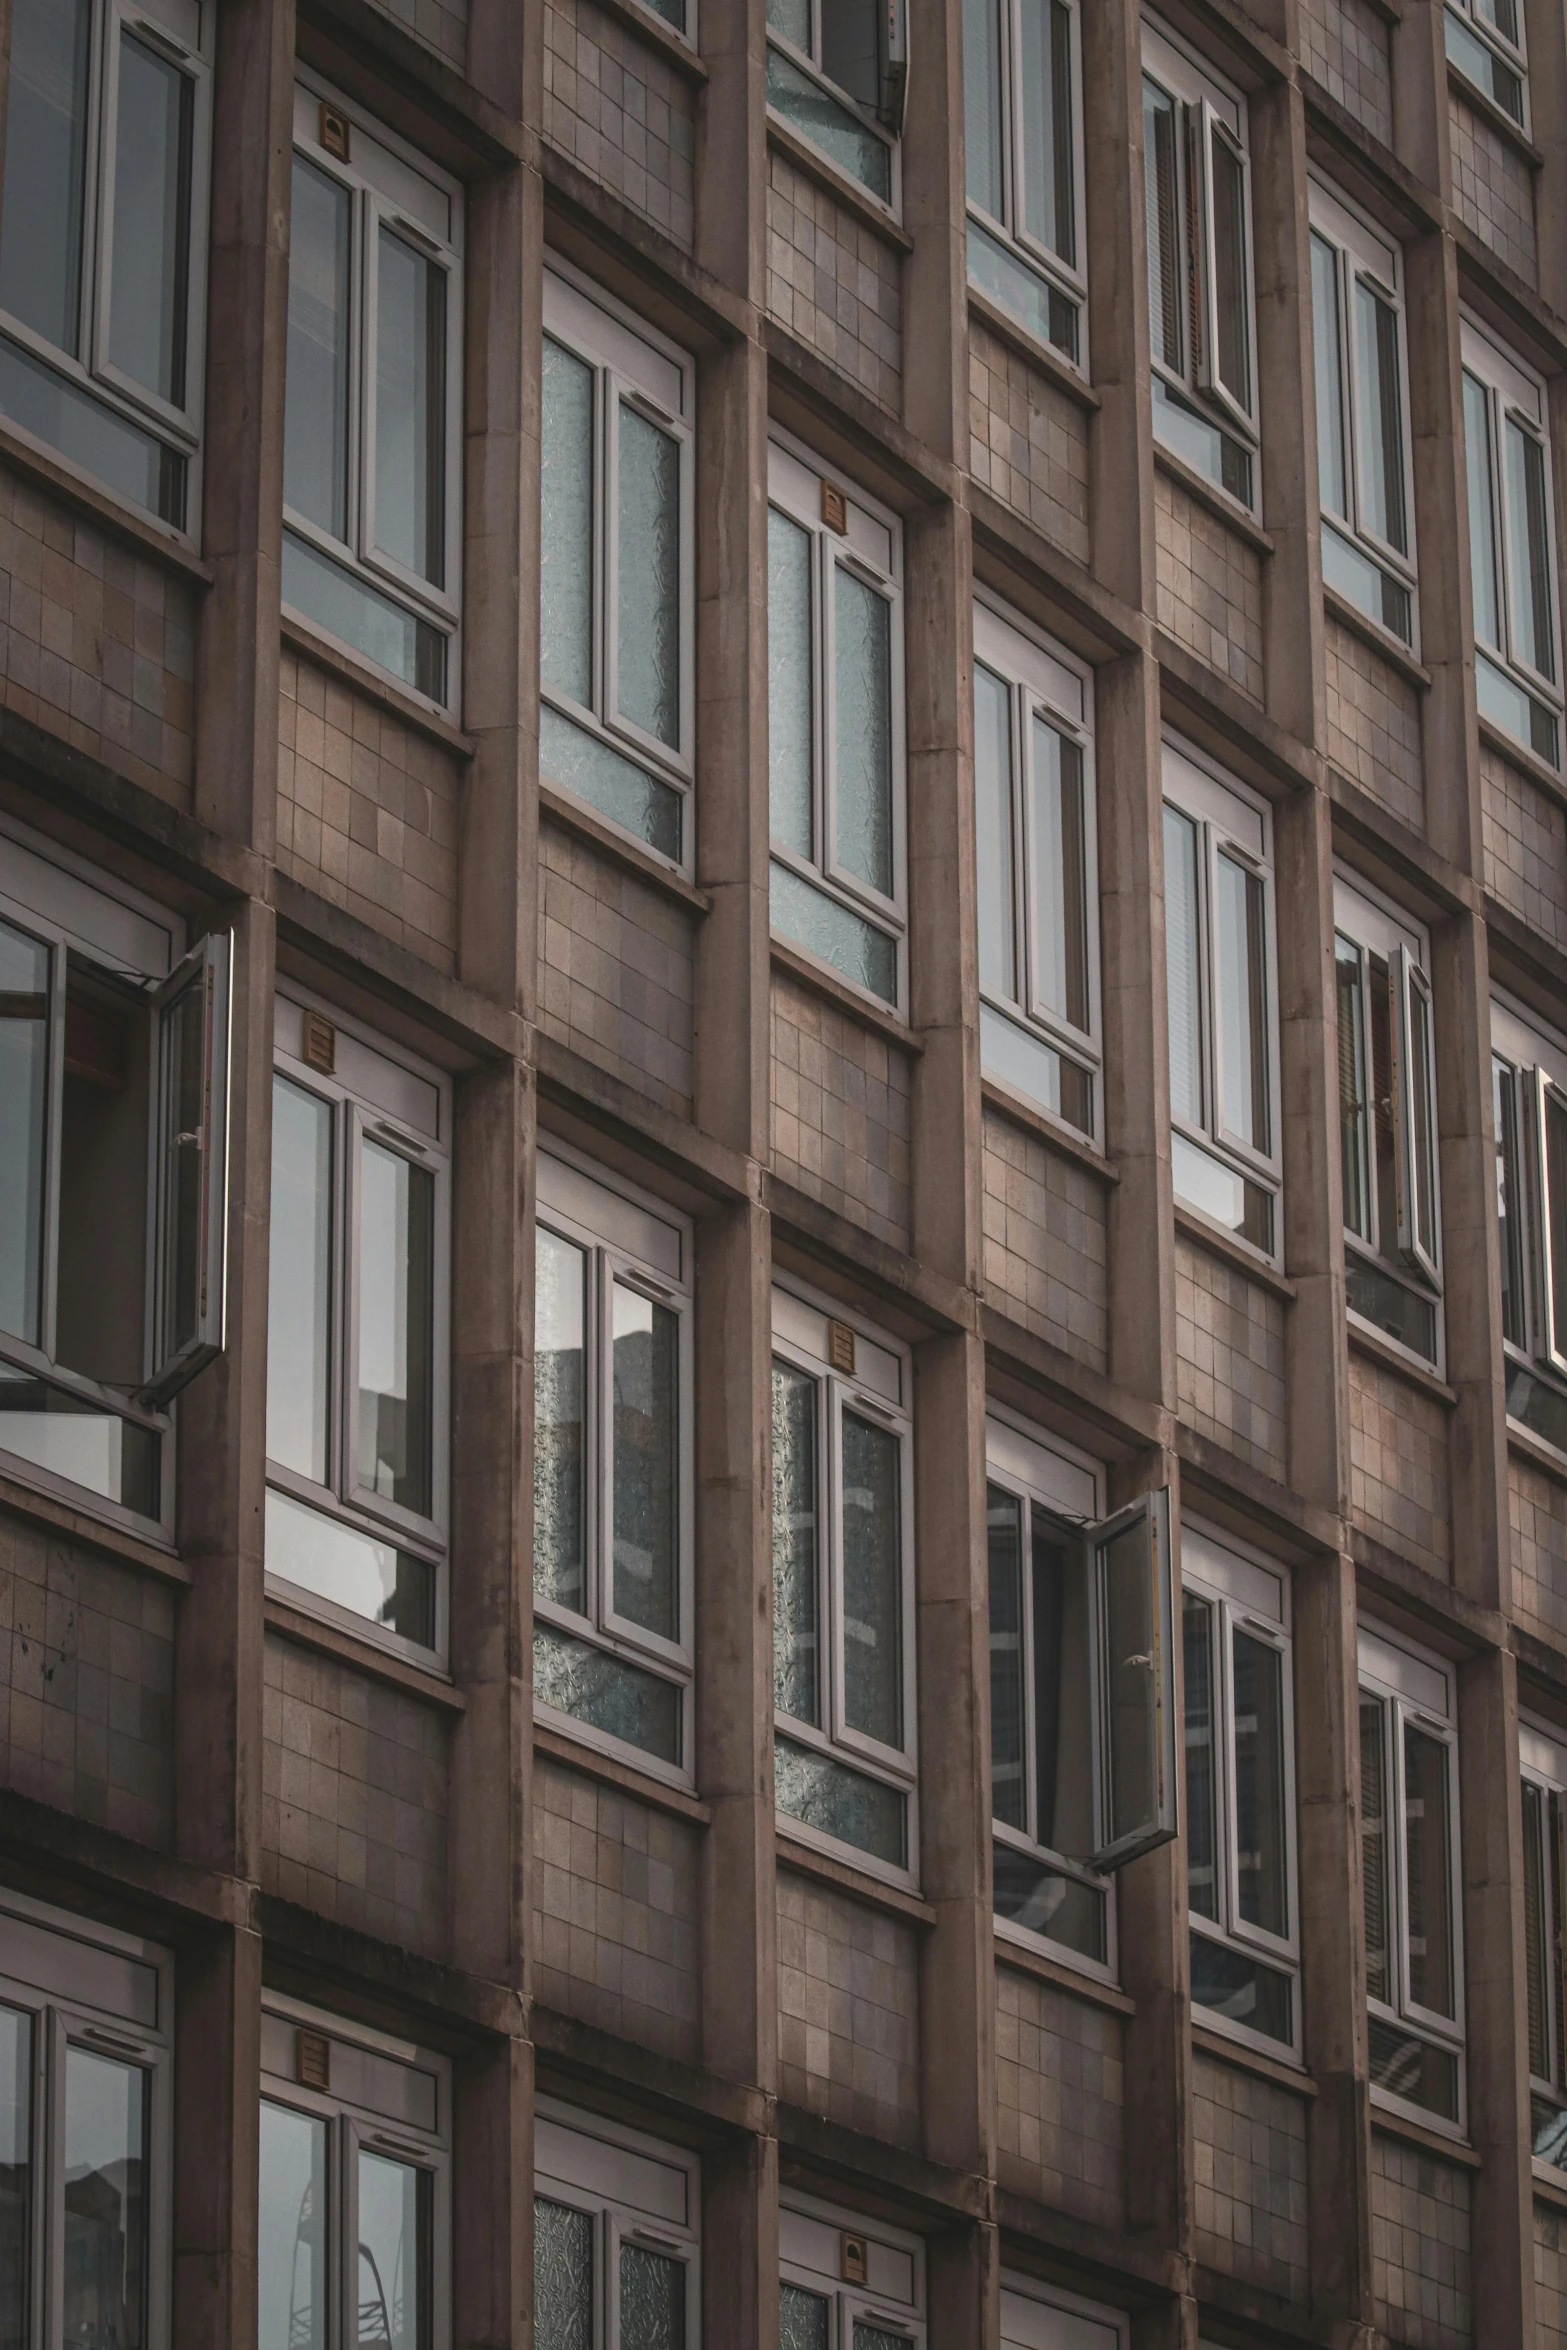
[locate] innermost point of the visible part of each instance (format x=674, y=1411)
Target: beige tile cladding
x=97, y=642
x=1537, y=1521
x=1344, y=45
x=841, y=1111
x=1525, y=833
x=1550, y=2277
x=833, y=281
x=621, y=112
x=1493, y=189
x=1045, y=1240
x=1059, y=2098
x=615, y=977
x=1209, y=586
x=86, y=1684
x=848, y=2010
x=615, y=1929
x=367, y=811
x=1374, y=725
x=1250, y=2204
x=1419, y=2247
x=353, y=1799
x=441, y=24
x=1028, y=443
x=1398, y=1437
x=1229, y=1357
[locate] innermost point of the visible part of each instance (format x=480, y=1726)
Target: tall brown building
x=783, y=820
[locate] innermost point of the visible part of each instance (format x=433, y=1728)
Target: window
x=843, y=1586
x=835, y=73
x=1409, y=1875
x=1022, y=107
x=616, y=718
x=835, y=725
x=1240, y=1795
x=357, y=1328
x=372, y=435
x=1512, y=548
x=1529, y=1103
x=1218, y=918
x=103, y=246
x=354, y=2235
x=1387, y=1122
x=86, y=2099
x=612, y=1539
x=616, y=2242
x=1199, y=266
x=1363, y=442
x=1082, y=1691
x=1544, y=1793
x=1037, y=2317
x=1485, y=41
x=1037, y=876
x=847, y=2283
x=114, y=1073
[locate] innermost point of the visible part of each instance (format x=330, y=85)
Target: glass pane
x=1384, y=1137
x=864, y=730
x=1261, y=1859
x=1234, y=1985
x=1482, y=515
x=567, y=519
x=873, y=2337
x=1243, y=1004
x=827, y=1795
x=1202, y=1762
x=993, y=831
x=373, y=624
x=649, y=606
x=1332, y=473
x=396, y=1328
x=1381, y=418
x=1427, y=1866
x=1231, y=292
x=1423, y=1140
x=353, y=1569
x=624, y=792
x=1036, y=1070
x=1046, y=123
x=1413, y=2069
x=792, y=18
x=1556, y=1214
x=1162, y=196
x=1001, y=272
x=1389, y=1302
x=796, y=1570
x=315, y=417
x=1060, y=877
x=825, y=927
x=1192, y=434
x=1510, y=1209
x=105, y=2249
x=182, y=1271
x=1029, y=1893
x=849, y=49
x=652, y=2300
x=410, y=409
x=1183, y=948
x=1536, y=1929
x=24, y=1093
x=100, y=1284
x=1353, y=1107
x=872, y=1581
x=607, y=1693
x=838, y=131
x=1131, y=1677
x=80, y=1441
x=1008, y=1728
x=299, y=1303
x=560, y=1429
x=1374, y=1851
x=982, y=126
x=1215, y=1190
x=1529, y=542
x=647, y=1463
x=152, y=163
x=103, y=443
x=1063, y=1697
x=45, y=160
x=291, y=2249
x=562, y=2277
x=16, y=2177
x=790, y=765
x=804, y=2319
x=395, y=2209
x=1548, y=2131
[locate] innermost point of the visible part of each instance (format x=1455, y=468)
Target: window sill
x=593, y=1763
x=1381, y=640
x=839, y=992
x=1483, y=104
x=1220, y=1243
x=1062, y=1138
x=376, y=686
x=1364, y=1340
x=1026, y=1960
x=573, y=817
x=1430, y=2137
x=95, y=1533
x=1010, y=330
x=876, y=215
x=366, y=1656
x=1507, y=746
x=659, y=35
x=806, y=1861
x=1208, y=493
x=154, y=538
x=1247, y=2059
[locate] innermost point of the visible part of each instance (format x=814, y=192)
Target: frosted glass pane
x=566, y=515
x=291, y=2246
x=792, y=18
x=560, y=1432
x=394, y=2254
x=872, y=1581
x=606, y=1693
x=396, y=1327
x=864, y=726
x=562, y=2277
x=652, y=2300
x=804, y=2319
x=817, y=922
x=152, y=161
x=584, y=763
x=647, y=1462
x=789, y=761
x=826, y=1794
x=869, y=2337
x=410, y=409
x=1332, y=479
x=1182, y=947
x=982, y=134
x=299, y=1307
x=45, y=158
x=24, y=1068
x=796, y=1533
x=315, y=413
x=993, y=828
x=649, y=608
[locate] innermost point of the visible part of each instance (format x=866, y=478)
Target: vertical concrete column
x=217, y=2073
x=1451, y=730
x=1545, y=28
x=1116, y=232
x=1420, y=125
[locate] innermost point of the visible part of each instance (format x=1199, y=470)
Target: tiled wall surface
x=1550, y=2277
x=1537, y=1520
x=1059, y=2098
x=621, y=112
x=86, y=1684
x=833, y=281
x=1250, y=2206
x=353, y=1799
x=443, y=24
x=1045, y=1240
x=1398, y=1438
x=1493, y=189
x=841, y=1116
x=615, y=977
x=1209, y=586
x=97, y=641
x=1344, y=45
x=848, y=2010
x=615, y=1929
x=367, y=811
x=1374, y=725
x=1525, y=834
x=1420, y=2247
x=1028, y=443
x=1229, y=1357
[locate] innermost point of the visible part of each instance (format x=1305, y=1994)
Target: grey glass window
x=1023, y=121
x=562, y=2276
x=1544, y=1891
x=1484, y=39
x=1362, y=449
x=17, y=2179
x=1529, y=1108
x=105, y=2248
x=291, y=2248
x=835, y=73
x=1511, y=548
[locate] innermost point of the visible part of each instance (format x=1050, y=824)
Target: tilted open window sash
x=1548, y=1119
x=1220, y=295
x=893, y=65
x=1414, y=1124
x=191, y=1135
x=1134, y=1604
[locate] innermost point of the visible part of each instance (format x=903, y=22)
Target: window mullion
x=345, y=1289
x=1025, y=1618
x=364, y=312
x=59, y=960
x=601, y=1376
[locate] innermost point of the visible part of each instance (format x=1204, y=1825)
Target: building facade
x=784, y=783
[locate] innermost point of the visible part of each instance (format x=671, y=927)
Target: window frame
x=1028, y=2307
x=1513, y=55
x=1542, y=1766
x=1068, y=279
x=1535, y=1058
x=589, y=2163
x=374, y=206
x=1514, y=394
x=581, y=1204
x=808, y=63
x=806, y=2224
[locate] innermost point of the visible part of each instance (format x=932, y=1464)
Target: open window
x=847, y=2283
x=1512, y=545
x=837, y=72
x=1543, y=1794
x=1022, y=102
x=616, y=2237
x=1529, y=1106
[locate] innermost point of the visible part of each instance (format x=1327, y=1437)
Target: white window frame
x=394, y=186
x=634, y=1239
x=1048, y=682
x=808, y=62
x=1542, y=1763
x=1416, y=1687
x=410, y=1113
x=354, y=2125
x=1068, y=279
x=112, y=1993
x=822, y=2248
x=1515, y=393
x=635, y=2189
x=181, y=33
x=1043, y=2317
x=1537, y=1060
x=1250, y=1594
x=1512, y=55
x=870, y=548
x=633, y=364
